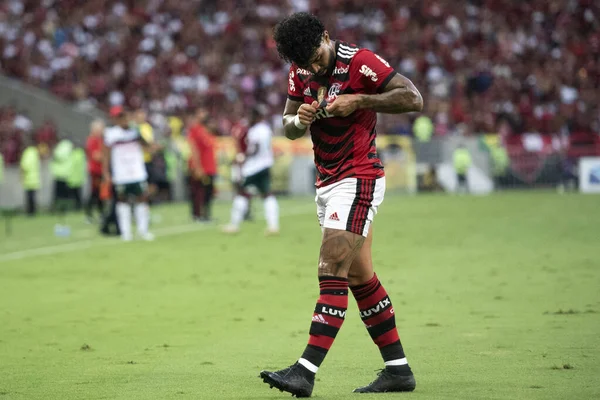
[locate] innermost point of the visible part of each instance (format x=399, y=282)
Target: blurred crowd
x=482, y=65
x=17, y=131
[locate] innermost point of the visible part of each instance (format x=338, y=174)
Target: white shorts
x=350, y=204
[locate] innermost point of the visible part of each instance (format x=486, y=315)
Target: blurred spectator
x=61, y=170
x=15, y=127
x=31, y=176
x=429, y=181
x=11, y=137
x=202, y=165
x=46, y=138
x=93, y=150
x=423, y=128
x=462, y=162
x=77, y=174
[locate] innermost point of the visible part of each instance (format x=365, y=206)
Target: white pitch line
x=87, y=243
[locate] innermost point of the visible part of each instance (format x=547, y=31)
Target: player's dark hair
x=298, y=37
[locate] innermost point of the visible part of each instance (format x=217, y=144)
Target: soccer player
x=123, y=165
x=202, y=165
x=335, y=90
x=257, y=160
x=239, y=132
x=140, y=121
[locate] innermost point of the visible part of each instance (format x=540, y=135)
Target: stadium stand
x=483, y=66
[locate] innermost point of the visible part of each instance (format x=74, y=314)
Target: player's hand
x=307, y=113
x=343, y=105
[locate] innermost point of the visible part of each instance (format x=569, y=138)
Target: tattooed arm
x=399, y=96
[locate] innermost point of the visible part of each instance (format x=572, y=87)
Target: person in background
x=166, y=187
x=159, y=172
x=256, y=162
x=202, y=165
x=93, y=149
x=429, y=182
x=175, y=126
x=77, y=175
x=30, y=176
x=109, y=216
x=45, y=138
x=61, y=170
x=423, y=128
x=140, y=119
x=123, y=165
x=501, y=163
x=462, y=162
x=239, y=132
x=1, y=168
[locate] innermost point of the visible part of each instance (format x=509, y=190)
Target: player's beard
x=324, y=79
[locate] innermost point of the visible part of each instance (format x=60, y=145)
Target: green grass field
x=496, y=298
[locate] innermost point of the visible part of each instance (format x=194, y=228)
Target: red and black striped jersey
x=343, y=147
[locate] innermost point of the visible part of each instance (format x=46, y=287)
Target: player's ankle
x=399, y=369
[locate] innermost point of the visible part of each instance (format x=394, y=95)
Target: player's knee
x=332, y=269
x=357, y=278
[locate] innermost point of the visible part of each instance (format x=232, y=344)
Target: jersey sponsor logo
x=340, y=70
x=383, y=61
x=377, y=309
x=291, y=82
x=307, y=92
x=333, y=312
x=301, y=71
x=333, y=92
x=334, y=217
x=369, y=73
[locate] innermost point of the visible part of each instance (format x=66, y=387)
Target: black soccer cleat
x=294, y=379
x=389, y=382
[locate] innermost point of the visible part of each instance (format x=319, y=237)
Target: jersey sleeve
x=370, y=71
x=294, y=85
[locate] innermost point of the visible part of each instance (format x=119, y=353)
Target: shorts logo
x=334, y=217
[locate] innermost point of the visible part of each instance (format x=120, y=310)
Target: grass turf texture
x=496, y=298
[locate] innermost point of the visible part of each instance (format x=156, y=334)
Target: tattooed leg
x=338, y=251
x=361, y=270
